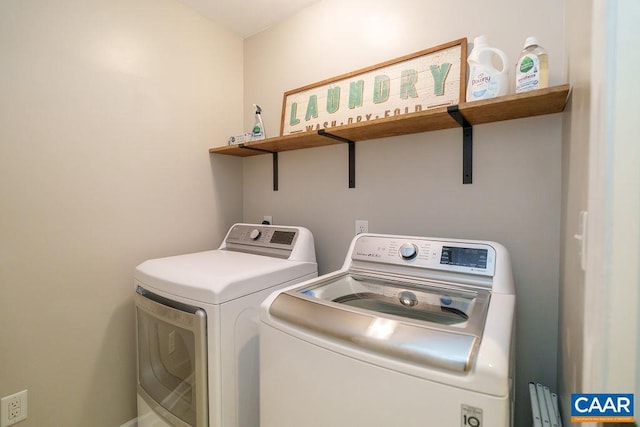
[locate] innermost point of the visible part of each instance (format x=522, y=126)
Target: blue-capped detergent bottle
x=488, y=71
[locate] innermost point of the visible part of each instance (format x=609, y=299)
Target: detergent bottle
x=532, y=69
x=258, y=126
x=487, y=71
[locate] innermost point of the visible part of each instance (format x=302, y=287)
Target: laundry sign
x=427, y=79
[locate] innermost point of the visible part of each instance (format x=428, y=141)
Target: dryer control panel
x=261, y=239
x=457, y=256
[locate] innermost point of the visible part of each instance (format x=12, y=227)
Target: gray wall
x=106, y=115
x=575, y=154
x=413, y=184
x=107, y=111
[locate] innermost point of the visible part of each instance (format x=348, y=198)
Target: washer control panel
x=457, y=256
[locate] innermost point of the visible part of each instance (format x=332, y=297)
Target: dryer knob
x=408, y=251
x=255, y=233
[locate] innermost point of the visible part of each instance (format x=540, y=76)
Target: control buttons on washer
x=408, y=251
x=408, y=299
x=255, y=233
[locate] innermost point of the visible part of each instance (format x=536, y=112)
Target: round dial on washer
x=255, y=233
x=408, y=251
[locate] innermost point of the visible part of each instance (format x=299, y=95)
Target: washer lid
x=218, y=276
x=426, y=323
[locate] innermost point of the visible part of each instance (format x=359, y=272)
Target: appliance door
x=172, y=359
x=426, y=323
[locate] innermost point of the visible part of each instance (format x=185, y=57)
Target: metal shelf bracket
x=275, y=162
x=467, y=143
x=352, y=154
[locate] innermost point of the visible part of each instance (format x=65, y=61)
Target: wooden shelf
x=535, y=103
x=281, y=143
x=465, y=115
x=528, y=104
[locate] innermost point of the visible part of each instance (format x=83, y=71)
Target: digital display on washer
x=464, y=257
x=283, y=237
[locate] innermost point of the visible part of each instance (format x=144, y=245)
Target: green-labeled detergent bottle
x=532, y=69
x=258, y=126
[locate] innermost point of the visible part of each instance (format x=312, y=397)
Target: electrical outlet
x=362, y=226
x=267, y=219
x=13, y=408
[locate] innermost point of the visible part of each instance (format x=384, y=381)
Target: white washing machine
x=197, y=321
x=412, y=331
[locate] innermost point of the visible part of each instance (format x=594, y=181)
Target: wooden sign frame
x=430, y=78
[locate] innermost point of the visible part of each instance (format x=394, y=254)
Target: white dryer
x=197, y=325
x=412, y=331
